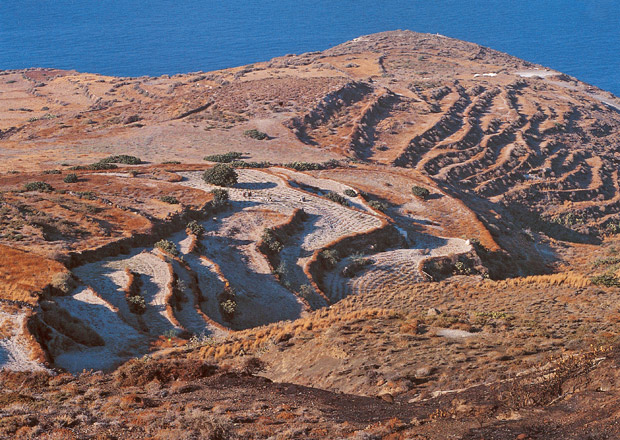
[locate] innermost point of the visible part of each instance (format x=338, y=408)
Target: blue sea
x=154, y=37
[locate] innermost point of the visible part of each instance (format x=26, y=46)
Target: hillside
x=423, y=224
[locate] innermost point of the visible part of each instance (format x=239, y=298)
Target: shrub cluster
x=167, y=246
x=224, y=158
x=304, y=166
x=169, y=199
x=607, y=280
x=220, y=198
x=95, y=166
x=379, y=206
x=256, y=134
x=338, y=198
x=220, y=175
x=270, y=242
x=420, y=192
x=51, y=172
x=70, y=178
x=329, y=258
x=122, y=158
x=242, y=164
x=228, y=303
x=38, y=186
x=350, y=193
x=195, y=228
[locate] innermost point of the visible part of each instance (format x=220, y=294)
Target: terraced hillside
x=384, y=190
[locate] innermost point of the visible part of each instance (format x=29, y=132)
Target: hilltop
x=420, y=243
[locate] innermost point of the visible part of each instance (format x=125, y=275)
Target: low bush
x=420, y=192
x=195, y=228
x=270, y=242
x=220, y=198
x=169, y=199
x=51, y=172
x=379, y=206
x=167, y=246
x=122, y=158
x=224, y=158
x=242, y=164
x=220, y=175
x=350, y=193
x=329, y=258
x=70, y=178
x=338, y=198
x=228, y=303
x=256, y=134
x=607, y=280
x=304, y=166
x=95, y=166
x=38, y=186
x=171, y=162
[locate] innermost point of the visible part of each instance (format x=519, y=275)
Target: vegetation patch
x=225, y=157
x=38, y=186
x=228, y=303
x=338, y=198
x=220, y=199
x=70, y=178
x=420, y=192
x=122, y=158
x=195, y=228
x=256, y=134
x=168, y=247
x=169, y=199
x=220, y=175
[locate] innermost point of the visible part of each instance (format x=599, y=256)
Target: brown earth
x=486, y=309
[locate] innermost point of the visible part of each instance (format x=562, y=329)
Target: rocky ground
x=421, y=243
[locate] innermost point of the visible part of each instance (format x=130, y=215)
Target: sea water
x=154, y=37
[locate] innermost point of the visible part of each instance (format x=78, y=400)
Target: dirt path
x=327, y=220
x=393, y=269
x=14, y=352
x=121, y=340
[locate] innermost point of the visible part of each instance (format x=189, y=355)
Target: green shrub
x=379, y=206
x=95, y=166
x=38, y=186
x=256, y=134
x=169, y=199
x=607, y=279
x=51, y=172
x=338, y=198
x=220, y=198
x=136, y=304
x=270, y=242
x=171, y=162
x=220, y=175
x=420, y=192
x=195, y=228
x=242, y=164
x=350, y=193
x=229, y=307
x=228, y=303
x=306, y=291
x=122, y=158
x=167, y=246
x=304, y=166
x=224, y=158
x=70, y=178
x=329, y=258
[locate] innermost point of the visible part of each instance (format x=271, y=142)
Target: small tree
x=220, y=175
x=420, y=192
x=220, y=198
x=70, y=178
